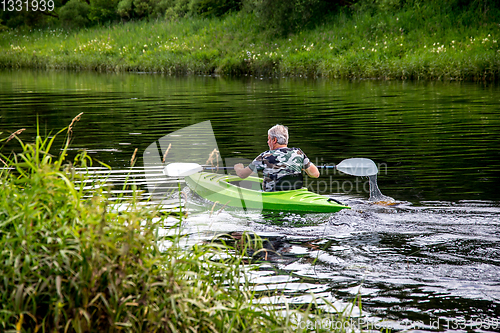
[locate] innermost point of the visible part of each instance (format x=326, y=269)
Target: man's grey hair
x=279, y=132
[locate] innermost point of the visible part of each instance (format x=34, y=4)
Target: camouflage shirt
x=278, y=163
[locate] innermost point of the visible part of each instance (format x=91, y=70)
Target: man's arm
x=241, y=171
x=312, y=171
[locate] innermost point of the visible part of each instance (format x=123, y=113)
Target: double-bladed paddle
x=350, y=166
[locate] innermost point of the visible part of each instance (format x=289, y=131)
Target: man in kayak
x=282, y=166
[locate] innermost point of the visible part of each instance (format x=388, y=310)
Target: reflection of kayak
x=236, y=192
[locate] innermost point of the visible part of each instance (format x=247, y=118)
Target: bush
x=75, y=14
x=214, y=7
x=102, y=11
x=173, y=9
x=284, y=17
x=124, y=8
x=2, y=27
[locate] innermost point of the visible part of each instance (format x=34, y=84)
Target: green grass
x=71, y=261
x=411, y=43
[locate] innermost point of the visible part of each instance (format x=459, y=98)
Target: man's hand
x=241, y=171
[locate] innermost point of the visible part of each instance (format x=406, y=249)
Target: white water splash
x=375, y=194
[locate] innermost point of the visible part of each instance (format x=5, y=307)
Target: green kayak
x=246, y=193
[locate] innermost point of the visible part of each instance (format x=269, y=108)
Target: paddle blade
x=182, y=169
x=358, y=167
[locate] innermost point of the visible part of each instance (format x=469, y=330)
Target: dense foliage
x=402, y=39
x=388, y=40
x=81, y=13
x=278, y=16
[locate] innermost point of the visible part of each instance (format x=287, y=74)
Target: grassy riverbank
x=408, y=43
x=71, y=260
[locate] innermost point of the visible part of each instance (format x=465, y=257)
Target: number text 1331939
x=27, y=5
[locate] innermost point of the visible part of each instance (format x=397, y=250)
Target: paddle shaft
x=231, y=168
x=350, y=166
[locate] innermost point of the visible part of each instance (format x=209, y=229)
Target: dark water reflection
x=434, y=256
x=436, y=141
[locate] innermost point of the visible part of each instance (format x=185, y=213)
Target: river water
x=430, y=262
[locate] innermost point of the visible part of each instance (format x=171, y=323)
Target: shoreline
x=233, y=46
